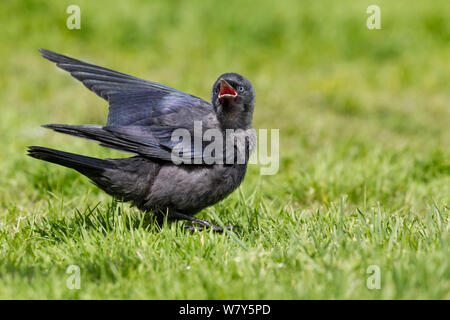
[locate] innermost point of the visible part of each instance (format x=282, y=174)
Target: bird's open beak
x=226, y=91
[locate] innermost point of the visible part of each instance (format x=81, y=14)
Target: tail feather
x=127, y=179
x=80, y=163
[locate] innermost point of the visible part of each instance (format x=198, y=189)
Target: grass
x=364, y=174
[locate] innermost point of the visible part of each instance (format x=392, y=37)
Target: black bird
x=142, y=118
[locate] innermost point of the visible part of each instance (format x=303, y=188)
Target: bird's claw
x=213, y=227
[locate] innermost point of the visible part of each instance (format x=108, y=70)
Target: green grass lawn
x=364, y=176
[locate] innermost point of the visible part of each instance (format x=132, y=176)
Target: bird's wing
x=132, y=101
x=148, y=141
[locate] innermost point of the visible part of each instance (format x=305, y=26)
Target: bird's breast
x=189, y=189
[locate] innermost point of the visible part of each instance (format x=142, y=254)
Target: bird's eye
x=241, y=89
x=216, y=90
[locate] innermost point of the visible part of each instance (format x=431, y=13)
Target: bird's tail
x=86, y=165
x=124, y=178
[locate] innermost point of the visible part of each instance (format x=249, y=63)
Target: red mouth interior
x=227, y=89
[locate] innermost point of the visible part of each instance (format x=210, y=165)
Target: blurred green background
x=364, y=119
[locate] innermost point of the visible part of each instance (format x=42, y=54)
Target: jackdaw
x=143, y=118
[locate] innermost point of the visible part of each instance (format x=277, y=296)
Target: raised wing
x=142, y=114
x=132, y=101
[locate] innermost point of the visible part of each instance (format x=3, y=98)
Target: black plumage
x=142, y=118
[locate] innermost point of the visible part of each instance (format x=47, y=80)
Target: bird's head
x=233, y=98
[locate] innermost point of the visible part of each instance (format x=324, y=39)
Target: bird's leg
x=203, y=223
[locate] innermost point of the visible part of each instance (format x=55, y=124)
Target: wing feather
x=132, y=101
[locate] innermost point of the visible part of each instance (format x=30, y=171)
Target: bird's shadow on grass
x=113, y=218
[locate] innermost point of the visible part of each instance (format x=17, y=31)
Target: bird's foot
x=211, y=226
x=202, y=224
